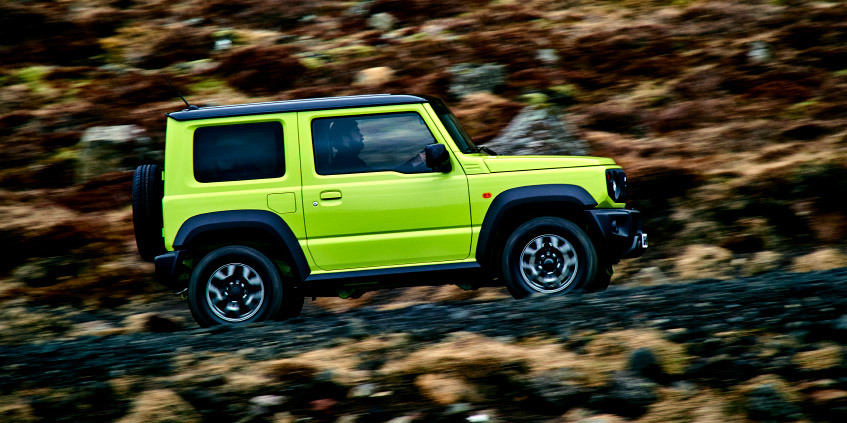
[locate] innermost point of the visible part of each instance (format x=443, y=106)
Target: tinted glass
x=371, y=143
x=457, y=132
x=238, y=152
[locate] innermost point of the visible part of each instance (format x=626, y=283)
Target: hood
x=517, y=163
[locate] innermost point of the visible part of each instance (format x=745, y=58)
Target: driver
x=348, y=142
x=416, y=164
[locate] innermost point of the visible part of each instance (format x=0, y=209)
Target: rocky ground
x=730, y=119
x=768, y=348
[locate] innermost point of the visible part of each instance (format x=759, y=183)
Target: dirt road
x=792, y=327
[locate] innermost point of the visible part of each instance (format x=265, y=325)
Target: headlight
x=616, y=185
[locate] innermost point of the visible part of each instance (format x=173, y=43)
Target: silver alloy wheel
x=548, y=264
x=235, y=292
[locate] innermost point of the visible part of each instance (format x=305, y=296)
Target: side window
x=238, y=152
x=371, y=143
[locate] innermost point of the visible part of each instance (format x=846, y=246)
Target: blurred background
x=729, y=118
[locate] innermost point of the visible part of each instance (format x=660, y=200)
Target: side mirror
x=437, y=158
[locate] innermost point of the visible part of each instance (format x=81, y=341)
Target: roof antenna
x=190, y=107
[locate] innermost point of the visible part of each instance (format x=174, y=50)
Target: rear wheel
x=235, y=285
x=548, y=255
x=292, y=304
x=147, y=193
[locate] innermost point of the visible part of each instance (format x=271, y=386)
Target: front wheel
x=235, y=285
x=602, y=279
x=548, y=255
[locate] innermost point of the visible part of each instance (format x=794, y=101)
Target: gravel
x=810, y=307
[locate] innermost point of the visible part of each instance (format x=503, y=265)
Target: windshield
x=462, y=139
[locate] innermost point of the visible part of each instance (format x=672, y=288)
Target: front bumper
x=620, y=230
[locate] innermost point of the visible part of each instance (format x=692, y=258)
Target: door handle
x=331, y=195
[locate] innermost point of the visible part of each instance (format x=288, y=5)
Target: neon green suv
x=260, y=205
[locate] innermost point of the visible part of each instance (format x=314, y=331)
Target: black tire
x=602, y=279
x=239, y=277
x=147, y=193
x=565, y=254
x=292, y=304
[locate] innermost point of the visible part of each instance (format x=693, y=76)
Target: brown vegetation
x=730, y=118
x=724, y=145
x=270, y=70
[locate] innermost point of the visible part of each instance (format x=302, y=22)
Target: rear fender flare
x=268, y=222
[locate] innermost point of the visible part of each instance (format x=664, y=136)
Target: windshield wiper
x=482, y=149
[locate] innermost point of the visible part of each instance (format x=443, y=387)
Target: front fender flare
x=547, y=194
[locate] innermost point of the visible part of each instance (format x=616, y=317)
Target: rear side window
x=238, y=152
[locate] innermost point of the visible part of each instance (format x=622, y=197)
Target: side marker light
x=486, y=195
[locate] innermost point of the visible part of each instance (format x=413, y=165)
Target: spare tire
x=147, y=193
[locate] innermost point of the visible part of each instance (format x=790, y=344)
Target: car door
x=379, y=206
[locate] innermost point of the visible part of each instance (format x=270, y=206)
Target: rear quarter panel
x=185, y=197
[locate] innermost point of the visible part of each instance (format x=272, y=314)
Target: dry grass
x=614, y=348
x=653, y=85
x=342, y=361
x=446, y=389
x=694, y=405
x=667, y=89
x=474, y=356
x=788, y=391
x=704, y=261
x=820, y=359
x=823, y=259
x=15, y=409
x=238, y=373
x=160, y=405
x=18, y=323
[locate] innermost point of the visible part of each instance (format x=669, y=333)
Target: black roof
x=296, y=106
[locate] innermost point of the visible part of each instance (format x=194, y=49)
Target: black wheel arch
x=237, y=226
x=514, y=206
